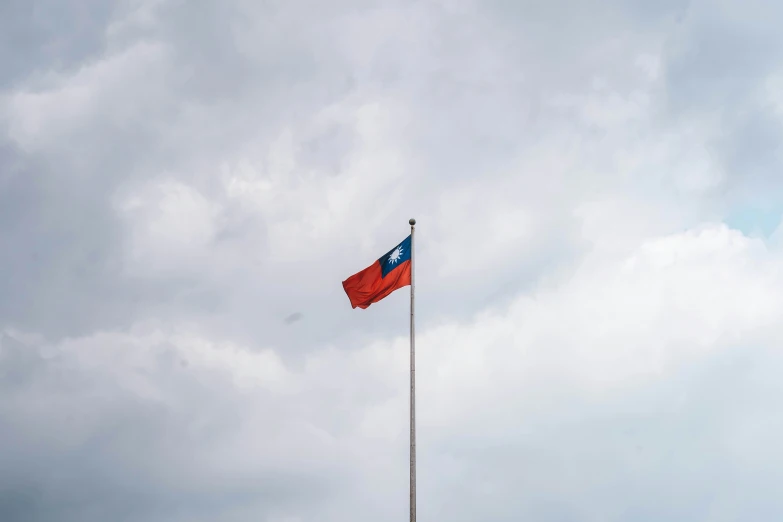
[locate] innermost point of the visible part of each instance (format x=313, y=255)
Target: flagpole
x=413, y=388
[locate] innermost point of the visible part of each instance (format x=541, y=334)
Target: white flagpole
x=413, y=389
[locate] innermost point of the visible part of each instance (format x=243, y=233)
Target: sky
x=599, y=273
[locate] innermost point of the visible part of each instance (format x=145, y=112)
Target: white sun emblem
x=395, y=256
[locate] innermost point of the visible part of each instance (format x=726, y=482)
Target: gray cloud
x=720, y=63
x=34, y=41
x=211, y=172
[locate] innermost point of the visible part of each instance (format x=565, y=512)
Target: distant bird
x=293, y=318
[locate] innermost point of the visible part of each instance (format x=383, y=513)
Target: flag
x=389, y=273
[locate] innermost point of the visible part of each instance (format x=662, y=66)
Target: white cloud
x=171, y=229
x=120, y=90
x=618, y=326
x=594, y=344
x=308, y=209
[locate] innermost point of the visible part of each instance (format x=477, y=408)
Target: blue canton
x=389, y=262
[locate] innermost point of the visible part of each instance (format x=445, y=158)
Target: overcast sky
x=185, y=184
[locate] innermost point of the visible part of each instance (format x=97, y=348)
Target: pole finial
x=412, y=221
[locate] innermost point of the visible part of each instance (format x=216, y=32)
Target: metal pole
x=413, y=387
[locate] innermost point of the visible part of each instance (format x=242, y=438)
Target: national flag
x=389, y=273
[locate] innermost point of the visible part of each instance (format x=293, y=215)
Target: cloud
x=592, y=369
x=595, y=342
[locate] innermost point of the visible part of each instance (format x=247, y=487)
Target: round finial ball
x=412, y=221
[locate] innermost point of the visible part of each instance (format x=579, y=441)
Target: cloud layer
x=183, y=187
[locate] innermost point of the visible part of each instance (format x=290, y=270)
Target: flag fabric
x=389, y=273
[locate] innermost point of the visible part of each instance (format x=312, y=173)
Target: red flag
x=389, y=273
